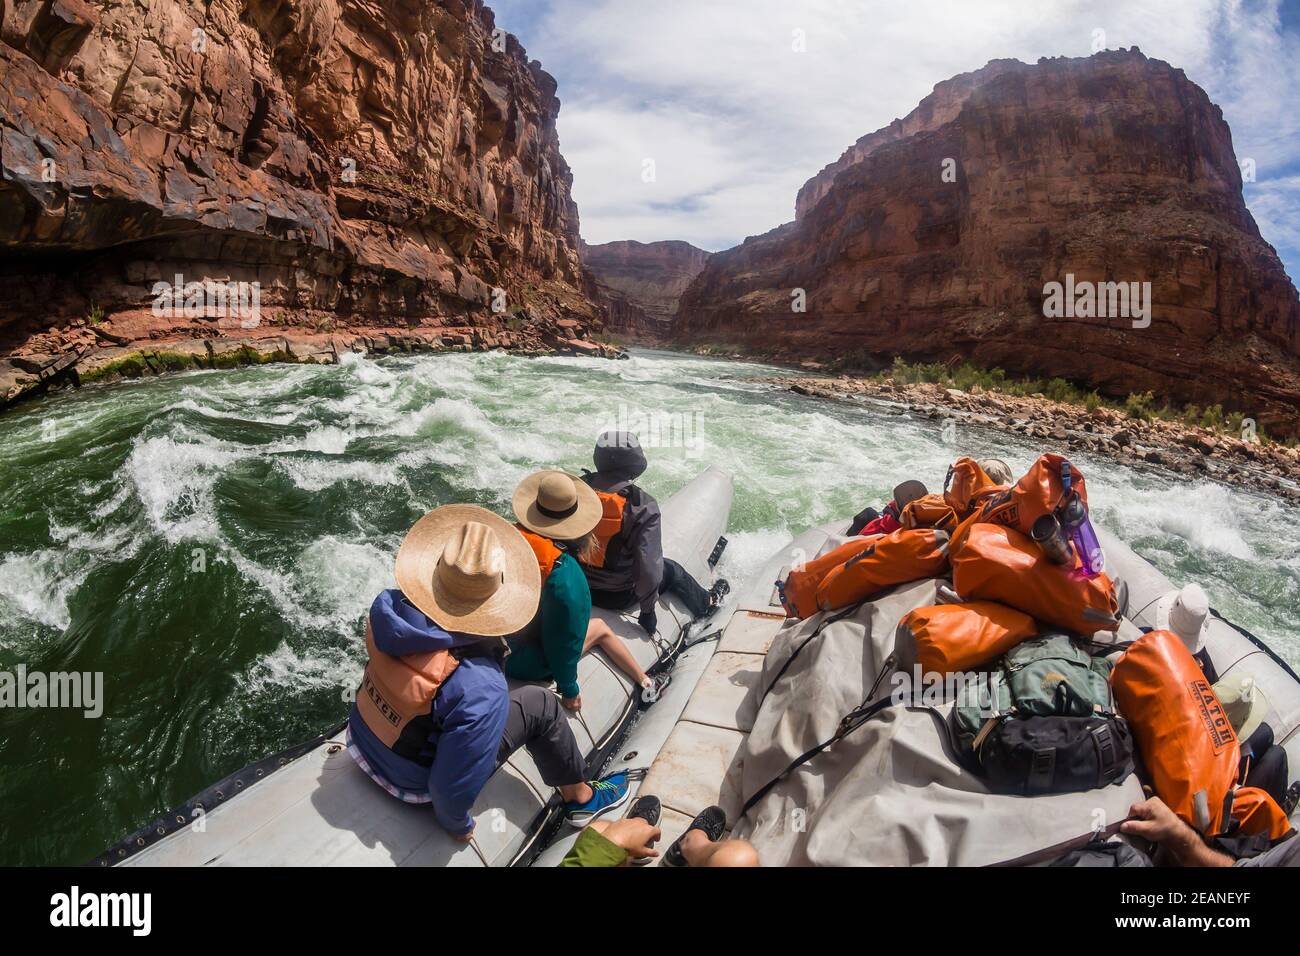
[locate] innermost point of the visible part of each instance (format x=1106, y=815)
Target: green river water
x=211, y=541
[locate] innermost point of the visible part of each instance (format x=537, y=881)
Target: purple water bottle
x=1075, y=523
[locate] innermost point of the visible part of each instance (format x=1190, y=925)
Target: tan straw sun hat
x=557, y=505
x=470, y=571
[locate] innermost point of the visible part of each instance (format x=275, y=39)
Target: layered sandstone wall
x=643, y=282
x=1114, y=168
x=361, y=161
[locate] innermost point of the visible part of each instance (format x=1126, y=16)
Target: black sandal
x=649, y=809
x=711, y=820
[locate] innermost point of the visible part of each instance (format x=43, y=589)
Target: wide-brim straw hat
x=557, y=505
x=470, y=571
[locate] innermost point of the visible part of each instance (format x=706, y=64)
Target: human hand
x=634, y=835
x=466, y=836
x=1154, y=821
x=649, y=622
x=572, y=704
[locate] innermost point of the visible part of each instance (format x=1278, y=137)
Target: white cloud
x=737, y=120
x=1275, y=205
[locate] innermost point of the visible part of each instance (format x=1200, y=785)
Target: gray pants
x=536, y=721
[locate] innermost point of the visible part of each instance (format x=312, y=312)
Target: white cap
x=1187, y=614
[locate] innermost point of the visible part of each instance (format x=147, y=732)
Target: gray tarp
x=892, y=792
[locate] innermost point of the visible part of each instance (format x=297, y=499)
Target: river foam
x=213, y=539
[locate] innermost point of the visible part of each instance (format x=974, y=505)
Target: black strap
x=557, y=514
x=1058, y=850
x=1042, y=769
x=790, y=660
x=1103, y=647
x=1103, y=737
x=851, y=722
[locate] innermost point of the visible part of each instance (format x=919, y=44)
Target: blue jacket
x=469, y=715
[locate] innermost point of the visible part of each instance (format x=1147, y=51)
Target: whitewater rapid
x=211, y=541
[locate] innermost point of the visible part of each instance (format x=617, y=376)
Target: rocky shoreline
x=1186, y=450
x=132, y=346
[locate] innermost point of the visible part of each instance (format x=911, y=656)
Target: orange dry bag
x=960, y=637
x=967, y=486
x=928, y=511
x=1187, y=743
x=1254, y=811
x=1043, y=489
x=994, y=563
x=799, y=590
x=904, y=555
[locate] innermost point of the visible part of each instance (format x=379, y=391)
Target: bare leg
x=700, y=851
x=600, y=635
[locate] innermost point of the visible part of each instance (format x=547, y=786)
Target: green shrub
x=1140, y=406
x=1212, y=417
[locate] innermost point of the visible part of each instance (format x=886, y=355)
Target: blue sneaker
x=608, y=793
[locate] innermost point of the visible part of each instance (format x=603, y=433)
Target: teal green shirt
x=565, y=612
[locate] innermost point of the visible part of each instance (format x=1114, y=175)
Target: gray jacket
x=634, y=561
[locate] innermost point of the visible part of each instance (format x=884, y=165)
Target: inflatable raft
x=890, y=792
x=312, y=806
x=751, y=693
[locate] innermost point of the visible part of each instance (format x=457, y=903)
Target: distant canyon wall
x=935, y=238
x=376, y=160
x=642, y=283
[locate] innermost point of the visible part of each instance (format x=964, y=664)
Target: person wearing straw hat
x=433, y=717
x=556, y=513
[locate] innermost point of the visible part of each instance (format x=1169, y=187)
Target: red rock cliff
x=643, y=282
x=368, y=159
x=1110, y=168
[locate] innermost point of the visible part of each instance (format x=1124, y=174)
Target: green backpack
x=1046, y=676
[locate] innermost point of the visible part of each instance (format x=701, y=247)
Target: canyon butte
x=1113, y=167
x=388, y=172
x=384, y=164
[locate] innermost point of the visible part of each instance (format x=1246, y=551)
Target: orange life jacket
x=895, y=558
x=959, y=637
x=1187, y=743
x=396, y=696
x=991, y=562
x=547, y=551
x=799, y=589
x=613, y=504
x=1041, y=491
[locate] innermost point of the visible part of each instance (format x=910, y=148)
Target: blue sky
x=736, y=118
